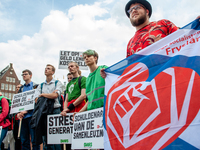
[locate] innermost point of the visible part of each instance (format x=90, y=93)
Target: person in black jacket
x=50, y=89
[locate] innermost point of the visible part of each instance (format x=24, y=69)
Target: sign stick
x=64, y=146
x=19, y=130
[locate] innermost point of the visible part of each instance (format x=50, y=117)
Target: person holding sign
x=95, y=83
x=4, y=110
x=75, y=91
x=25, y=116
x=50, y=89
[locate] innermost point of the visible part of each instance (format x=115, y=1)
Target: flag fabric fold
x=152, y=97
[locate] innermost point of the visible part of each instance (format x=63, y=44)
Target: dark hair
x=26, y=70
x=69, y=74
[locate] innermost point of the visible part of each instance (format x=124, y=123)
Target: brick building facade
x=8, y=81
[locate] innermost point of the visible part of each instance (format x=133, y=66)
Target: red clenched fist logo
x=151, y=115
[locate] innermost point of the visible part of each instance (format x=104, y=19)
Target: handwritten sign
x=23, y=101
x=68, y=56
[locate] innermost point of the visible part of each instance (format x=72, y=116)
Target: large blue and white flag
x=152, y=98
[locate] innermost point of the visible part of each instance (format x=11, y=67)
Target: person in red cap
x=139, y=12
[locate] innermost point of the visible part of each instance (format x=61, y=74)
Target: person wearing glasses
x=139, y=12
x=147, y=33
x=26, y=115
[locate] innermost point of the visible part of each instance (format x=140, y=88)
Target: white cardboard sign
x=88, y=130
x=59, y=129
x=23, y=101
x=68, y=56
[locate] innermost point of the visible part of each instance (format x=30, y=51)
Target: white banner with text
x=59, y=129
x=23, y=101
x=68, y=56
x=88, y=130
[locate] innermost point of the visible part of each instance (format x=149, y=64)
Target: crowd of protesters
x=81, y=93
x=50, y=90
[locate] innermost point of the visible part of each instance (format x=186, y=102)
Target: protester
x=75, y=91
x=18, y=87
x=69, y=77
x=50, y=89
x=94, y=83
x=4, y=110
x=25, y=116
x=147, y=33
x=16, y=125
x=139, y=12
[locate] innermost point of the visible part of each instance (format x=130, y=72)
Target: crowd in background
x=81, y=93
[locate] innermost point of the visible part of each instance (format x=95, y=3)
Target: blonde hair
x=79, y=71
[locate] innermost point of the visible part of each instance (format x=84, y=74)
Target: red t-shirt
x=149, y=34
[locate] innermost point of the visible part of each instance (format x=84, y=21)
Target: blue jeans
x=3, y=134
x=51, y=146
x=26, y=131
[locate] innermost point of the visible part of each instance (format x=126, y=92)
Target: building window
x=10, y=79
x=13, y=87
x=2, y=93
x=9, y=96
x=2, y=86
x=6, y=86
x=7, y=79
x=13, y=80
x=10, y=87
x=6, y=94
x=10, y=72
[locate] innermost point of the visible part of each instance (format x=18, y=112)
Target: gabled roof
x=4, y=71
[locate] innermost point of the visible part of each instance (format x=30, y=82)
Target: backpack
x=60, y=98
x=9, y=116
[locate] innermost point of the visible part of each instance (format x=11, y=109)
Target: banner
x=152, y=97
x=88, y=130
x=23, y=101
x=59, y=129
x=68, y=56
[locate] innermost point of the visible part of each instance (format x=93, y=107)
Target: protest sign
x=0, y=130
x=88, y=130
x=23, y=101
x=152, y=97
x=59, y=129
x=68, y=56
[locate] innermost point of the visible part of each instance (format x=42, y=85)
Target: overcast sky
x=32, y=32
